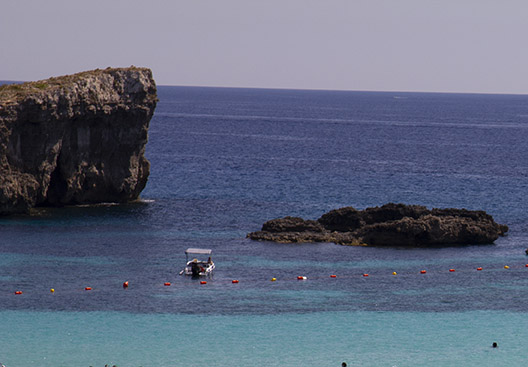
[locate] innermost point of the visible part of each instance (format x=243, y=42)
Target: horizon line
x=2, y=82
x=341, y=90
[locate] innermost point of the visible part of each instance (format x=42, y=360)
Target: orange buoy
x=234, y=281
x=451, y=270
x=479, y=268
x=333, y=276
x=166, y=284
x=203, y=282
x=88, y=288
x=423, y=271
x=18, y=292
x=273, y=279
x=125, y=284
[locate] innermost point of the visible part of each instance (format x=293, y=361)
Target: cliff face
x=75, y=139
x=388, y=225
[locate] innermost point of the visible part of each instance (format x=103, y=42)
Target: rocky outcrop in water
x=77, y=139
x=388, y=225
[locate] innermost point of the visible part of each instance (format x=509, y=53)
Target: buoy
x=394, y=273
x=166, y=284
x=506, y=267
x=234, y=281
x=203, y=282
x=125, y=284
x=526, y=265
x=18, y=292
x=423, y=271
x=52, y=290
x=300, y=277
x=88, y=288
x=365, y=275
x=479, y=268
x=333, y=276
x=273, y=279
x=452, y=270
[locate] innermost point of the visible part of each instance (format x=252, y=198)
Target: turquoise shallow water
x=314, y=339
x=226, y=160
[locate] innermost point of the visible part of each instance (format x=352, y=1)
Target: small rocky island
x=76, y=139
x=388, y=225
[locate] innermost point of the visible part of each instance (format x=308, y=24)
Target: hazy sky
x=397, y=45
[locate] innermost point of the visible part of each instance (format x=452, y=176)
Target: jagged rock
x=293, y=229
x=75, y=139
x=292, y=224
x=388, y=225
x=391, y=211
x=346, y=219
x=349, y=219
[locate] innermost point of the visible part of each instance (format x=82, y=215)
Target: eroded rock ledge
x=76, y=139
x=388, y=225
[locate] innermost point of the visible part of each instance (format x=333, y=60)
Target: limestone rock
x=388, y=225
x=292, y=224
x=76, y=139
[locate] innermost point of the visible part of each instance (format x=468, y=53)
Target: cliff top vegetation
x=10, y=93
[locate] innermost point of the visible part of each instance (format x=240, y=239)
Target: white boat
x=197, y=266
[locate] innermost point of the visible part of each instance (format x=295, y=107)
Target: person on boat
x=195, y=268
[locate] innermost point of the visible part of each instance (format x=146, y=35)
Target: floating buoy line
x=125, y=285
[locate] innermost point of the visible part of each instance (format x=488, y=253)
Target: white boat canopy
x=199, y=251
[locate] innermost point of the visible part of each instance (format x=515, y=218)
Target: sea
x=224, y=161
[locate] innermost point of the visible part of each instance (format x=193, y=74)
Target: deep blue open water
x=226, y=160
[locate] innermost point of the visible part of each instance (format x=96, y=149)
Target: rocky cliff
x=75, y=139
x=388, y=225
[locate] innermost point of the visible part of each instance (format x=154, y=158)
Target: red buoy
x=234, y=281
x=423, y=271
x=88, y=288
x=18, y=292
x=203, y=282
x=125, y=284
x=451, y=270
x=333, y=276
x=166, y=284
x=479, y=268
x=365, y=275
